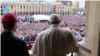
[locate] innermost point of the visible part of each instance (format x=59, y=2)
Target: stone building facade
x=31, y=8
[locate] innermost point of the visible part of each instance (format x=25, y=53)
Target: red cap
x=9, y=17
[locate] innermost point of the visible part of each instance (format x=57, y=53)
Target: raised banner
x=56, y=9
x=52, y=10
x=6, y=8
x=3, y=8
x=49, y=10
x=62, y=10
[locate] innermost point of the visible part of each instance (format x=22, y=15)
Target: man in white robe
x=54, y=41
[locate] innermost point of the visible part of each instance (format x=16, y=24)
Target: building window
x=21, y=7
x=15, y=7
x=15, y=11
x=36, y=8
x=21, y=10
x=30, y=7
x=33, y=7
x=1, y=10
x=18, y=10
x=11, y=9
x=70, y=7
x=1, y=6
x=42, y=7
x=39, y=8
x=24, y=7
x=18, y=7
x=45, y=8
x=11, y=6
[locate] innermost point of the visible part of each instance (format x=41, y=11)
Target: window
x=70, y=7
x=42, y=7
x=39, y=8
x=1, y=6
x=24, y=7
x=45, y=8
x=15, y=11
x=18, y=10
x=18, y=7
x=11, y=6
x=33, y=7
x=36, y=8
x=14, y=6
x=11, y=9
x=21, y=7
x=21, y=10
x=30, y=7
x=1, y=10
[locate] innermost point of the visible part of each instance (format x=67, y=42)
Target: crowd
x=27, y=31
x=52, y=41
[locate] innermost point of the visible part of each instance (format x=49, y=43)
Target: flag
x=54, y=9
x=6, y=8
x=49, y=10
x=62, y=9
x=3, y=8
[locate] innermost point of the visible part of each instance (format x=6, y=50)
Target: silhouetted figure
x=10, y=44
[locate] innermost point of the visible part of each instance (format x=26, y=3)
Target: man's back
x=54, y=42
x=12, y=46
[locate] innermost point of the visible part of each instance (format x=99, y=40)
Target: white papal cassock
x=54, y=41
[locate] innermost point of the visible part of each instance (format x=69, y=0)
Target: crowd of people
x=27, y=31
x=52, y=38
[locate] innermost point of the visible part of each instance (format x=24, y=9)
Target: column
x=90, y=40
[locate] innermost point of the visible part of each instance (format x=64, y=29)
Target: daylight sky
x=82, y=4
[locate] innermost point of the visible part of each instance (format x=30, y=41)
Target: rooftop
x=53, y=3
